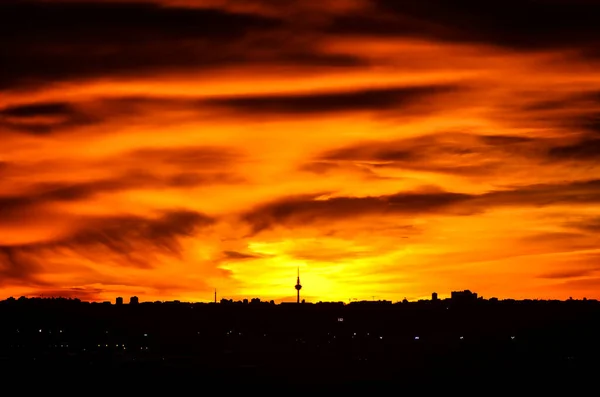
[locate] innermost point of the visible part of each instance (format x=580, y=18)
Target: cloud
x=568, y=274
x=85, y=294
x=568, y=193
x=127, y=234
x=126, y=108
x=191, y=179
x=19, y=267
x=509, y=23
x=592, y=122
x=132, y=239
x=172, y=168
x=38, y=109
x=455, y=153
x=590, y=284
x=587, y=149
x=314, y=209
x=588, y=224
x=201, y=157
x=327, y=102
x=58, y=117
x=57, y=41
x=309, y=210
x=505, y=140
x=235, y=255
x=42, y=194
x=43, y=118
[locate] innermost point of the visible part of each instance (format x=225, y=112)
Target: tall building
x=134, y=300
x=463, y=296
x=298, y=287
x=434, y=296
x=119, y=301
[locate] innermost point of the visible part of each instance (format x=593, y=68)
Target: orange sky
x=164, y=149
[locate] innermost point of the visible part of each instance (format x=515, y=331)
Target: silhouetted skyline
x=370, y=344
x=464, y=296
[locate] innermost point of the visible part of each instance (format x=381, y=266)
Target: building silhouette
x=134, y=300
x=463, y=296
x=434, y=296
x=298, y=287
x=119, y=300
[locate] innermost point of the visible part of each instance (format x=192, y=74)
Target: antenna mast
x=298, y=286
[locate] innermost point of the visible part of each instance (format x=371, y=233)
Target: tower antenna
x=298, y=286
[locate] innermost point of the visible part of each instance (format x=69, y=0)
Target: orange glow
x=167, y=160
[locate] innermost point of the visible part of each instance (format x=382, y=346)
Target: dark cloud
x=43, y=118
x=560, y=241
x=298, y=211
x=19, y=267
x=189, y=157
x=373, y=152
x=588, y=149
x=456, y=153
x=129, y=234
x=85, y=294
x=551, y=105
x=591, y=224
x=321, y=167
x=311, y=209
x=521, y=24
x=195, y=179
x=235, y=255
x=131, y=238
x=56, y=117
x=568, y=274
x=370, y=99
x=589, y=283
x=574, y=193
x=38, y=109
x=52, y=41
x=47, y=193
x=335, y=167
x=63, y=40
x=579, y=110
x=591, y=122
x=424, y=147
x=504, y=140
x=96, y=21
x=39, y=195
x=199, y=167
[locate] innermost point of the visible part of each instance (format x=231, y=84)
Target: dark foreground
x=483, y=347
x=153, y=378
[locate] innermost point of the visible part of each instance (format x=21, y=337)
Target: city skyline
x=461, y=296
x=165, y=148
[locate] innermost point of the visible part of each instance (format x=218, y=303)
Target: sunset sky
x=387, y=148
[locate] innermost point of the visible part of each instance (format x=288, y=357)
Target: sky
x=385, y=149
